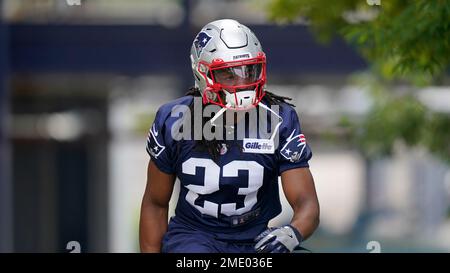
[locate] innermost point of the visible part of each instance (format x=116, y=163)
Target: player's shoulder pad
x=169, y=113
x=288, y=113
x=160, y=139
x=293, y=146
x=164, y=112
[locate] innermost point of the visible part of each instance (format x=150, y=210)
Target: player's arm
x=298, y=186
x=154, y=208
x=299, y=189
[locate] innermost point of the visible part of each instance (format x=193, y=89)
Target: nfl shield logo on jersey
x=293, y=149
x=153, y=146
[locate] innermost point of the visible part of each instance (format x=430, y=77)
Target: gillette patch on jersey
x=258, y=146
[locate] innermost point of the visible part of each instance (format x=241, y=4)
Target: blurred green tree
x=405, y=42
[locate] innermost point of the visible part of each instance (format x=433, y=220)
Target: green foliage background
x=405, y=42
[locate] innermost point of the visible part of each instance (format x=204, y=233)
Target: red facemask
x=224, y=81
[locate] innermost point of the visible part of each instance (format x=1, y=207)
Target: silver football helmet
x=229, y=65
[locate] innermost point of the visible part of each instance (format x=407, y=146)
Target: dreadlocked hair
x=213, y=147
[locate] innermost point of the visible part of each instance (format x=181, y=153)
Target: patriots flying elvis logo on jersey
x=201, y=41
x=153, y=146
x=294, y=147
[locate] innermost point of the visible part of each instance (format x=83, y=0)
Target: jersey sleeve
x=160, y=144
x=293, y=150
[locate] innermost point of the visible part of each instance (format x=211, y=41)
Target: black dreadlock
x=213, y=146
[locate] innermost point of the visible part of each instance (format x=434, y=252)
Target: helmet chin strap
x=241, y=99
x=216, y=116
x=244, y=99
x=275, y=131
x=272, y=137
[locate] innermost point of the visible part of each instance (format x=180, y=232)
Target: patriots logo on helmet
x=153, y=146
x=201, y=41
x=294, y=147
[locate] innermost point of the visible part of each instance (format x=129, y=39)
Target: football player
x=228, y=188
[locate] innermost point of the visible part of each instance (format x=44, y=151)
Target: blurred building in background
x=80, y=85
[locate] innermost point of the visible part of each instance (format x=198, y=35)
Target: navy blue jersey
x=235, y=196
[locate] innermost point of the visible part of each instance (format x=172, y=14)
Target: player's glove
x=278, y=240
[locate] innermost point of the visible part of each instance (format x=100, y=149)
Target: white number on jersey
x=211, y=184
